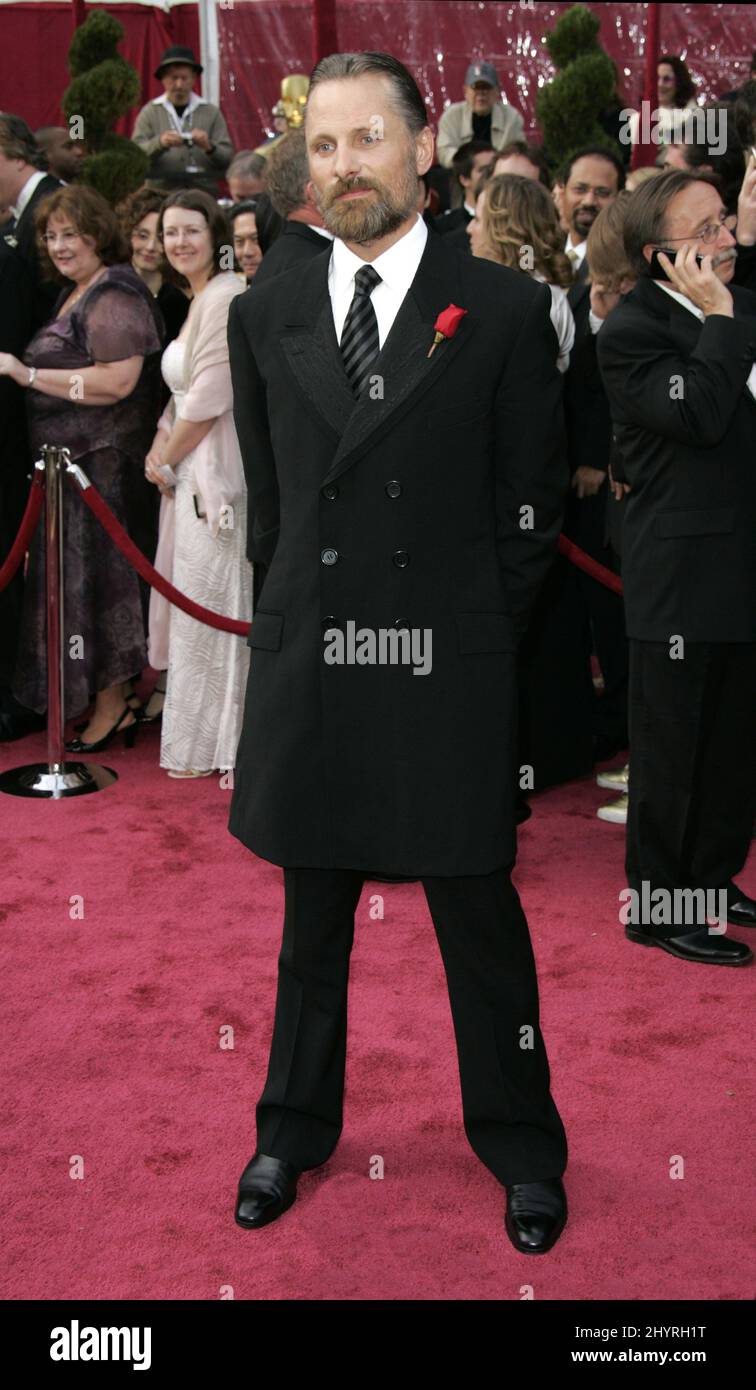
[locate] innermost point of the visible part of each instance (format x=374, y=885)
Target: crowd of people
x=131, y=305
x=207, y=349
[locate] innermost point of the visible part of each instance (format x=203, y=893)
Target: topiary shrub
x=570, y=106
x=104, y=87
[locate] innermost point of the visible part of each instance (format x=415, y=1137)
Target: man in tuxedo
x=15, y=470
x=467, y=166
x=352, y=425
x=23, y=185
x=590, y=179
x=27, y=301
x=292, y=195
x=678, y=361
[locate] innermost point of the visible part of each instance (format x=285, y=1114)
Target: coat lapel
x=685, y=326
x=313, y=355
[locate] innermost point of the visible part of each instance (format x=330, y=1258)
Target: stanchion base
x=56, y=780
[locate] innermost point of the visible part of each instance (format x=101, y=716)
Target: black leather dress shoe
x=741, y=910
x=536, y=1215
x=267, y=1188
x=703, y=946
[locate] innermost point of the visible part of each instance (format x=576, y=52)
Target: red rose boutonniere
x=447, y=324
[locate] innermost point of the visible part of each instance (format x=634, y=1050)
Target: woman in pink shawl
x=196, y=463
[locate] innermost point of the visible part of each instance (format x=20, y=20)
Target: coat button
x=401, y=558
x=393, y=489
x=329, y=557
x=330, y=622
x=330, y=492
x=401, y=624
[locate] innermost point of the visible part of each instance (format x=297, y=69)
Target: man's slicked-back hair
x=407, y=99
x=17, y=141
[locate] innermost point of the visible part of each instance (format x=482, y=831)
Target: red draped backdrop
x=34, y=41
x=262, y=40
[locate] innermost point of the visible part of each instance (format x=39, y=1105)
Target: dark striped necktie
x=359, y=341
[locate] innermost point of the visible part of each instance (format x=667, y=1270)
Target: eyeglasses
x=65, y=238
x=710, y=232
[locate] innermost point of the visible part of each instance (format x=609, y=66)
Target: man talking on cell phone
x=399, y=415
x=678, y=361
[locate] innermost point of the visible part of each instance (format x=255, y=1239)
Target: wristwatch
x=32, y=375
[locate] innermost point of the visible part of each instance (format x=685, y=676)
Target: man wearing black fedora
x=185, y=136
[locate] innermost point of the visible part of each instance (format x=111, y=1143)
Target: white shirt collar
x=322, y=231
x=194, y=101
x=26, y=192
x=681, y=298
x=694, y=309
x=397, y=266
x=578, y=251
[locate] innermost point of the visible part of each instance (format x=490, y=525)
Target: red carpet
x=112, y=1029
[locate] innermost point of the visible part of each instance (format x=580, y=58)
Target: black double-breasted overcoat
x=432, y=502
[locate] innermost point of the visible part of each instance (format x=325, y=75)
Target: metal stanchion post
x=56, y=778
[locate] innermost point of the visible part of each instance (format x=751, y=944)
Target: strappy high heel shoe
x=77, y=745
x=143, y=714
x=136, y=708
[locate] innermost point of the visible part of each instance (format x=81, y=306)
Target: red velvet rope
x=25, y=531
x=584, y=562
x=120, y=537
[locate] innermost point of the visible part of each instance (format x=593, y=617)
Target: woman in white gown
x=196, y=463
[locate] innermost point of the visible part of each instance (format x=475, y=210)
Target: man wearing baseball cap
x=483, y=115
x=185, y=136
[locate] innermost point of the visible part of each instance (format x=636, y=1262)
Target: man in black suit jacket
x=291, y=192
x=468, y=164
x=15, y=470
x=352, y=425
x=682, y=402
x=23, y=185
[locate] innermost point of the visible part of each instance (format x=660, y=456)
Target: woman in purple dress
x=90, y=391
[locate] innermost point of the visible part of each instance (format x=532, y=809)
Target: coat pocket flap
x=265, y=631
x=486, y=632
x=716, y=522
x=463, y=413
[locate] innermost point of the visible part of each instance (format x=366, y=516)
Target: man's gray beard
x=377, y=217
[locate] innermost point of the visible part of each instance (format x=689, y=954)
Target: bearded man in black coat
x=406, y=479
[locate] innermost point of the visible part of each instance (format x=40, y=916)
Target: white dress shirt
x=562, y=319
x=26, y=192
x=594, y=321
x=397, y=268
x=575, y=253
x=694, y=309
x=322, y=231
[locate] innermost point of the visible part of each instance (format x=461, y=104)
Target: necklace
x=83, y=289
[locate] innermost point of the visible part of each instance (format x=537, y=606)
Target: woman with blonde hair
x=517, y=225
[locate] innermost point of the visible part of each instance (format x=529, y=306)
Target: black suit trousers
x=509, y=1116
x=692, y=765
x=585, y=524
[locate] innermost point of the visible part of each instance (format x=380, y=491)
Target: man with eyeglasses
x=678, y=360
